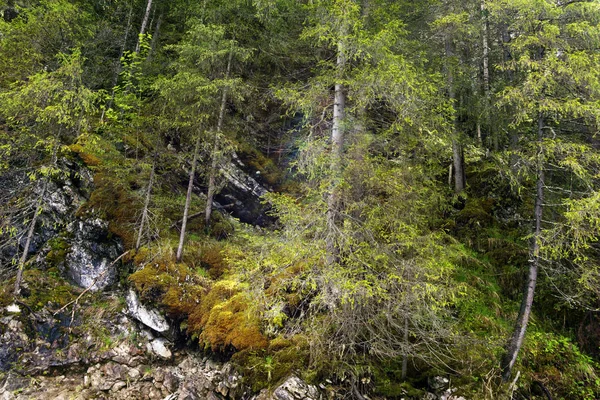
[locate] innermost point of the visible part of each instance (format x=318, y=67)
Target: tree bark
x=144, y=25
x=146, y=204
x=337, y=144
x=214, y=162
x=459, y=168
x=516, y=340
x=188, y=200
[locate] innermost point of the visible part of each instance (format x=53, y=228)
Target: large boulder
x=150, y=317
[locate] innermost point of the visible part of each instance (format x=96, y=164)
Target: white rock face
x=90, y=258
x=147, y=316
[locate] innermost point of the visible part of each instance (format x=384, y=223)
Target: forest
x=373, y=196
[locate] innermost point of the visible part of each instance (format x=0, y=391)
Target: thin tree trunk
x=144, y=25
x=38, y=211
x=486, y=79
x=23, y=258
x=118, y=70
x=188, y=200
x=337, y=144
x=516, y=340
x=146, y=204
x=214, y=162
x=155, y=36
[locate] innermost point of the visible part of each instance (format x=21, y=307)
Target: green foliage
x=418, y=274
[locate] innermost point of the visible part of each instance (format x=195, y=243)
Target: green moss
x=269, y=171
x=59, y=248
x=46, y=287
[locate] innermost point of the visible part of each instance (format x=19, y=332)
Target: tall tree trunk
x=144, y=25
x=188, y=200
x=119, y=65
x=337, y=144
x=457, y=153
x=459, y=168
x=215, y=159
x=146, y=204
x=516, y=340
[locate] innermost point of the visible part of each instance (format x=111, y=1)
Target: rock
x=242, y=195
x=118, y=386
x=170, y=382
x=438, y=384
x=91, y=255
x=147, y=316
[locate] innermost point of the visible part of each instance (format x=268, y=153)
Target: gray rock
x=147, y=316
x=242, y=194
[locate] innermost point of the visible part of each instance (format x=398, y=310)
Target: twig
x=513, y=385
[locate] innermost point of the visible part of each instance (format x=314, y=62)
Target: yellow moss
x=89, y=159
x=233, y=324
x=118, y=206
x=224, y=318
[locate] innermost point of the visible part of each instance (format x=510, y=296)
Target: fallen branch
x=189, y=217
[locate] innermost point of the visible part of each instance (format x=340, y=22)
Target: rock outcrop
x=82, y=248
x=242, y=195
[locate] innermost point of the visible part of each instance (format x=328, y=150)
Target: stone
x=159, y=347
x=118, y=386
x=170, y=382
x=147, y=316
x=242, y=194
x=13, y=309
